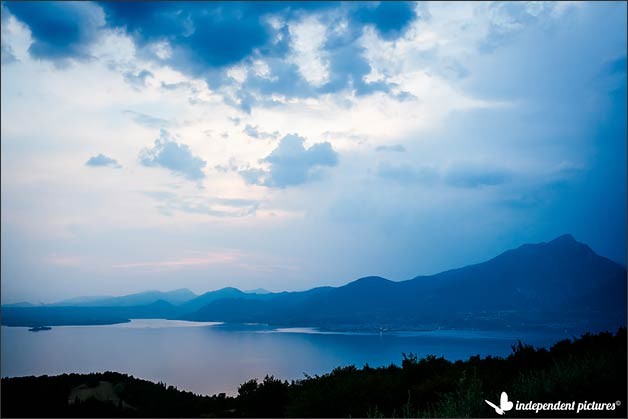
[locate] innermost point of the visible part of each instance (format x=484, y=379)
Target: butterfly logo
x=504, y=404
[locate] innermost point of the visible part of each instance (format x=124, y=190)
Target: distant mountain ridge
x=557, y=283
x=177, y=296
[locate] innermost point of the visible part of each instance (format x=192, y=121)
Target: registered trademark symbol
x=618, y=403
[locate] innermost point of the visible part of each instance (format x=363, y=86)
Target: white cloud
x=238, y=73
x=307, y=38
x=261, y=69
x=162, y=50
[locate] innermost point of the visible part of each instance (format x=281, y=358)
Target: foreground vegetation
x=591, y=368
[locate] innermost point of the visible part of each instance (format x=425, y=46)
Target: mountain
x=561, y=283
x=178, y=296
x=555, y=283
x=82, y=300
x=258, y=291
x=211, y=296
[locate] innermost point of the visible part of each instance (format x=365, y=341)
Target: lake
x=211, y=358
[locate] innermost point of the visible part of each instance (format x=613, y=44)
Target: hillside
x=561, y=283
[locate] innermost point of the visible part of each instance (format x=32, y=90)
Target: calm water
x=211, y=358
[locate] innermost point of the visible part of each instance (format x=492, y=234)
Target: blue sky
x=286, y=145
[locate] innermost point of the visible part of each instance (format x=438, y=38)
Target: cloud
x=254, y=176
x=390, y=18
x=137, y=80
x=307, y=40
x=102, y=161
x=252, y=131
x=174, y=156
x=407, y=174
x=178, y=85
x=397, y=148
x=60, y=30
x=7, y=51
x=215, y=207
x=348, y=66
x=460, y=176
x=202, y=259
x=147, y=120
x=508, y=19
x=292, y=164
x=202, y=35
x=7, y=54
x=293, y=49
x=302, y=57
x=475, y=176
x=320, y=60
x=198, y=36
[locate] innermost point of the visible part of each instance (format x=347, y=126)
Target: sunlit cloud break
x=210, y=258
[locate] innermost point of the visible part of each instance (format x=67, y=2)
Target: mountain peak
x=257, y=291
x=228, y=289
x=369, y=280
x=564, y=239
x=568, y=243
x=181, y=290
x=565, y=245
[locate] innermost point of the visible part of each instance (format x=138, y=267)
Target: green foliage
x=592, y=367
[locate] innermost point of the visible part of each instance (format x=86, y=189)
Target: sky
x=288, y=145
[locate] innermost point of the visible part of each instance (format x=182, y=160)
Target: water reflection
x=210, y=358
